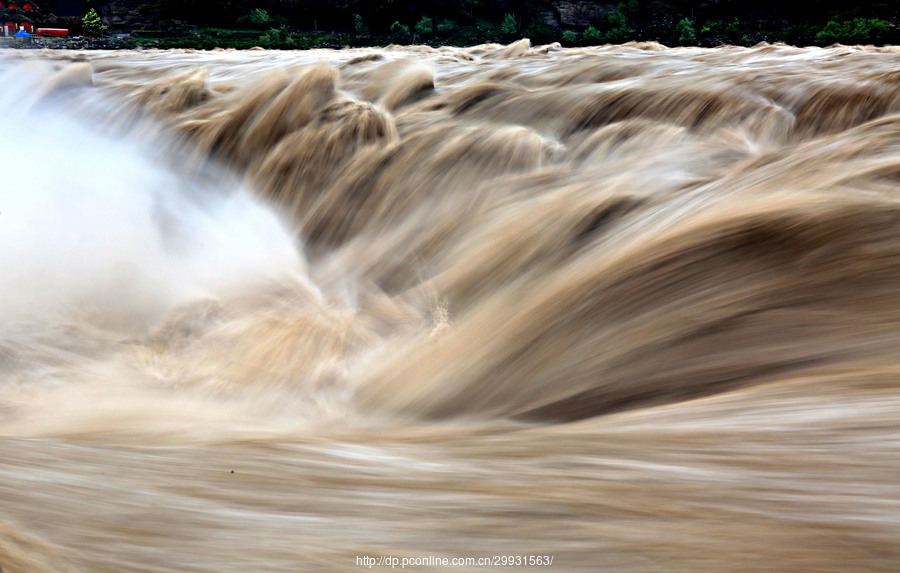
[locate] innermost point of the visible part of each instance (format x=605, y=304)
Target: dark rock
x=123, y=16
x=582, y=13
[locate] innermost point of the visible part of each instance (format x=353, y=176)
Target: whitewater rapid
x=632, y=307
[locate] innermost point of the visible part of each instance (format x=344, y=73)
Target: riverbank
x=863, y=32
x=66, y=43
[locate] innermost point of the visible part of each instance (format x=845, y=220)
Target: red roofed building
x=18, y=15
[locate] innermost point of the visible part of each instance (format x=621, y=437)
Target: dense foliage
x=672, y=22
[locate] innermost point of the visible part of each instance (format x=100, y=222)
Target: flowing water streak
x=634, y=307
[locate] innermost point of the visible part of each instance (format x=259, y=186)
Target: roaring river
x=497, y=308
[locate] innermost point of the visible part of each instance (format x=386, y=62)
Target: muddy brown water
x=631, y=307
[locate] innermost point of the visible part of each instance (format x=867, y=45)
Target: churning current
x=632, y=308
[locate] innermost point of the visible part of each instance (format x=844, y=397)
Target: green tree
x=425, y=26
x=855, y=31
x=399, y=29
x=685, y=31
x=360, y=26
x=259, y=17
x=734, y=30
x=508, y=26
x=92, y=25
x=277, y=38
x=592, y=36
x=716, y=32
x=569, y=38
x=619, y=30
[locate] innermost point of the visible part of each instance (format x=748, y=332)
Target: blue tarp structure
x=21, y=34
